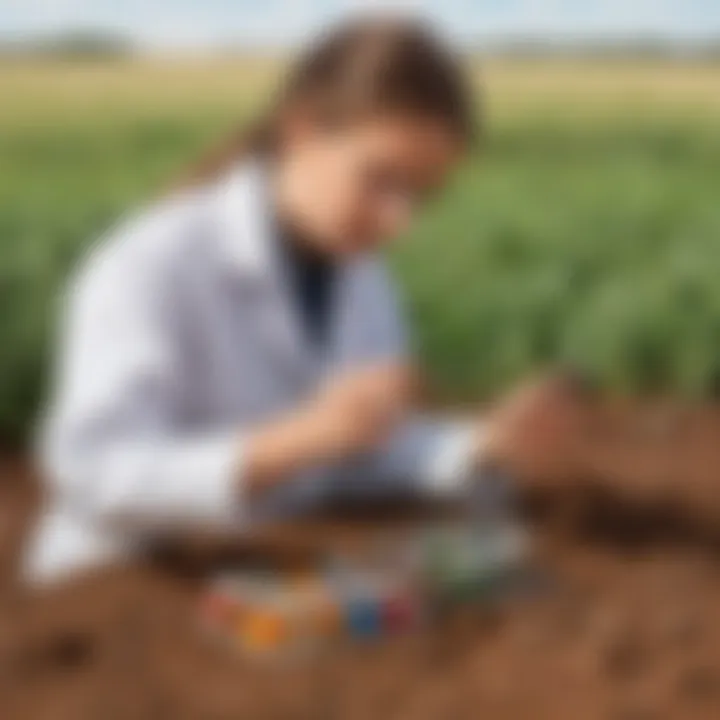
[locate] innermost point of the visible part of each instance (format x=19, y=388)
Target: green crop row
x=591, y=243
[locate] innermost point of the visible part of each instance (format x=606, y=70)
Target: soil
x=619, y=617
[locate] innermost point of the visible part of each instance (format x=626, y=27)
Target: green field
x=587, y=228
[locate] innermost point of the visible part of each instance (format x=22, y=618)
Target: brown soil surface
x=621, y=621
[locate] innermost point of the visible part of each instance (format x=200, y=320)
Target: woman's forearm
x=275, y=453
x=354, y=413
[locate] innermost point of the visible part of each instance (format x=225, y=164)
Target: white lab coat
x=179, y=337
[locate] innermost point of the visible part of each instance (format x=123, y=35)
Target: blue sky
x=200, y=23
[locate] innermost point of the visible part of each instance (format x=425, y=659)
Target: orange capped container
x=264, y=630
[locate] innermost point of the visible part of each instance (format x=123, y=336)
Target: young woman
x=237, y=351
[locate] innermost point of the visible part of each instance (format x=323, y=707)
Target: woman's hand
x=353, y=413
x=538, y=433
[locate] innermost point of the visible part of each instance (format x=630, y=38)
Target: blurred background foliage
x=584, y=230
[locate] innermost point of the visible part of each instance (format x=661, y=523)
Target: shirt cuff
x=453, y=459
x=211, y=480
x=197, y=481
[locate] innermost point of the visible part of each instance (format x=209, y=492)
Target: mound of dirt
x=619, y=620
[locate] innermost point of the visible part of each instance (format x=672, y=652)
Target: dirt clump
x=618, y=620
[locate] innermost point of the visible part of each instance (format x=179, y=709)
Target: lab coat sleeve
x=430, y=454
x=110, y=449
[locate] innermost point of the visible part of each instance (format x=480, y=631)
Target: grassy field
x=587, y=229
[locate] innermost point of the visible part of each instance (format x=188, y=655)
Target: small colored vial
x=364, y=618
x=400, y=614
x=217, y=610
x=263, y=630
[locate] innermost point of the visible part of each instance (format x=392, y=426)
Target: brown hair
x=365, y=67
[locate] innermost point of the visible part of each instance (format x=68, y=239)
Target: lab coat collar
x=251, y=250
x=249, y=235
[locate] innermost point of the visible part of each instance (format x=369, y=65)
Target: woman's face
x=354, y=189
